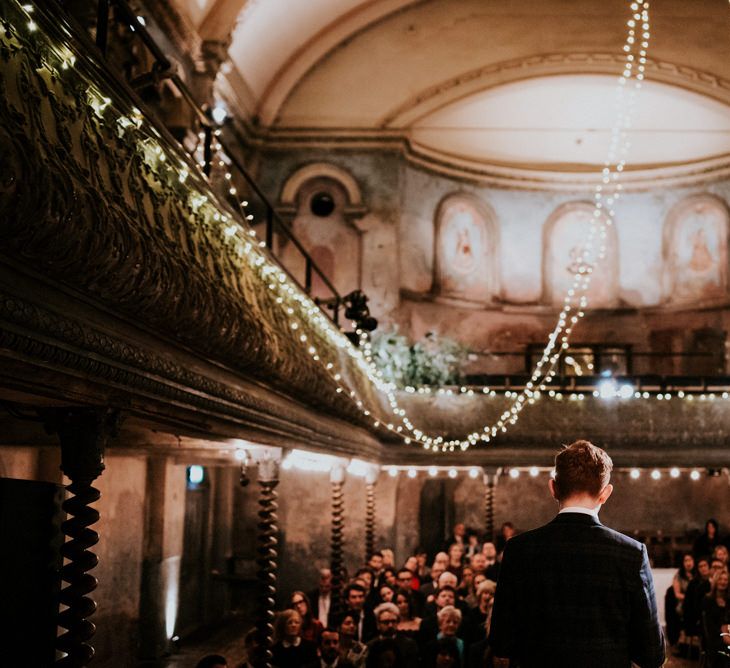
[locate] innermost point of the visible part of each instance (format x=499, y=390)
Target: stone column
x=83, y=433
x=268, y=479
x=337, y=480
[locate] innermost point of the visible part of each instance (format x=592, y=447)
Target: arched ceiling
x=349, y=66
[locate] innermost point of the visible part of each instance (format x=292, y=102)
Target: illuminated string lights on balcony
x=299, y=309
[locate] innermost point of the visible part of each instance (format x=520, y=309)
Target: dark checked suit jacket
x=576, y=594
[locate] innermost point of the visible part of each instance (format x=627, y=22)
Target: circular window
x=322, y=204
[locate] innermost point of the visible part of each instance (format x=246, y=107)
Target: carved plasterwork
x=92, y=196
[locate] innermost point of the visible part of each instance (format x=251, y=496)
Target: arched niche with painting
x=695, y=252
x=565, y=236
x=321, y=202
x=466, y=266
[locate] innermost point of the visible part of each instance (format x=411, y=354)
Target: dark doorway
x=193, y=567
x=436, y=514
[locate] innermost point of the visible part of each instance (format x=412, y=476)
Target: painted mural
x=698, y=251
x=567, y=234
x=464, y=254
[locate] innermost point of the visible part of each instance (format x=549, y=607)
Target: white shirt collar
x=295, y=643
x=580, y=509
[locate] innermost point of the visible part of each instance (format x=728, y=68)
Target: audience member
x=384, y=654
x=388, y=557
x=456, y=556
x=251, y=649
x=389, y=576
x=449, y=621
x=714, y=615
x=351, y=649
x=720, y=552
x=697, y=588
x=311, y=626
x=387, y=617
x=320, y=598
x=409, y=622
x=290, y=650
x=708, y=540
x=429, y=589
x=354, y=596
x=386, y=594
x=478, y=618
x=472, y=543
x=674, y=600
x=458, y=535
x=447, y=654
x=429, y=629
x=329, y=652
x=505, y=533
x=422, y=572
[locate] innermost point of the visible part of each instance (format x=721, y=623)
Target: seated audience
x=478, y=618
x=354, y=596
x=429, y=629
x=290, y=650
x=697, y=588
x=311, y=626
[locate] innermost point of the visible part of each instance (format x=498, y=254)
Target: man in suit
x=575, y=593
x=321, y=598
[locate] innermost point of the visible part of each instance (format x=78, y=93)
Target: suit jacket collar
x=577, y=518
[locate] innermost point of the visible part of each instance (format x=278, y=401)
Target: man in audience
x=573, y=592
x=320, y=598
x=354, y=596
x=429, y=589
x=375, y=564
x=446, y=596
x=387, y=617
x=405, y=580
x=329, y=651
x=478, y=563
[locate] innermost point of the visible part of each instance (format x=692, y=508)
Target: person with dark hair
x=354, y=596
x=384, y=653
x=715, y=611
x=212, y=661
x=708, y=540
x=674, y=600
x=692, y=608
x=350, y=649
x=446, y=654
x=329, y=651
x=574, y=592
x=311, y=626
x=409, y=622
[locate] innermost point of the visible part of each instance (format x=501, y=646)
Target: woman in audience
x=714, y=615
x=449, y=620
x=389, y=577
x=388, y=558
x=290, y=650
x=447, y=654
x=674, y=600
x=350, y=649
x=708, y=541
x=471, y=597
x=465, y=586
x=456, y=559
x=311, y=626
x=386, y=594
x=477, y=623
x=409, y=623
x=423, y=572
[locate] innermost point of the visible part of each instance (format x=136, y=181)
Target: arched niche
x=565, y=236
x=694, y=246
x=321, y=202
x=466, y=265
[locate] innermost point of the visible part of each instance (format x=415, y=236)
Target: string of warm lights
x=300, y=309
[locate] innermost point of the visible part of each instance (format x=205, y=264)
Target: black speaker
x=30, y=566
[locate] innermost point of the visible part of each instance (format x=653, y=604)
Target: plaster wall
x=120, y=549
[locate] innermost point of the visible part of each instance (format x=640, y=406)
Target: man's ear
x=605, y=493
x=551, y=485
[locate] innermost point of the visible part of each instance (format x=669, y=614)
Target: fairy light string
x=301, y=311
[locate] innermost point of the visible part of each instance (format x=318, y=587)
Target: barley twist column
x=337, y=480
x=267, y=539
x=370, y=482
x=83, y=433
x=491, y=476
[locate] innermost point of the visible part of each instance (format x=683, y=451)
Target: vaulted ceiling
x=517, y=82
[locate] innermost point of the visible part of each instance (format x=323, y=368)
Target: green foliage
x=435, y=360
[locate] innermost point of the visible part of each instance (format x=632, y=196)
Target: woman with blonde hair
x=290, y=650
x=714, y=614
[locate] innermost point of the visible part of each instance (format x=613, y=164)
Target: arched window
x=321, y=206
x=566, y=234
x=466, y=265
x=695, y=250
